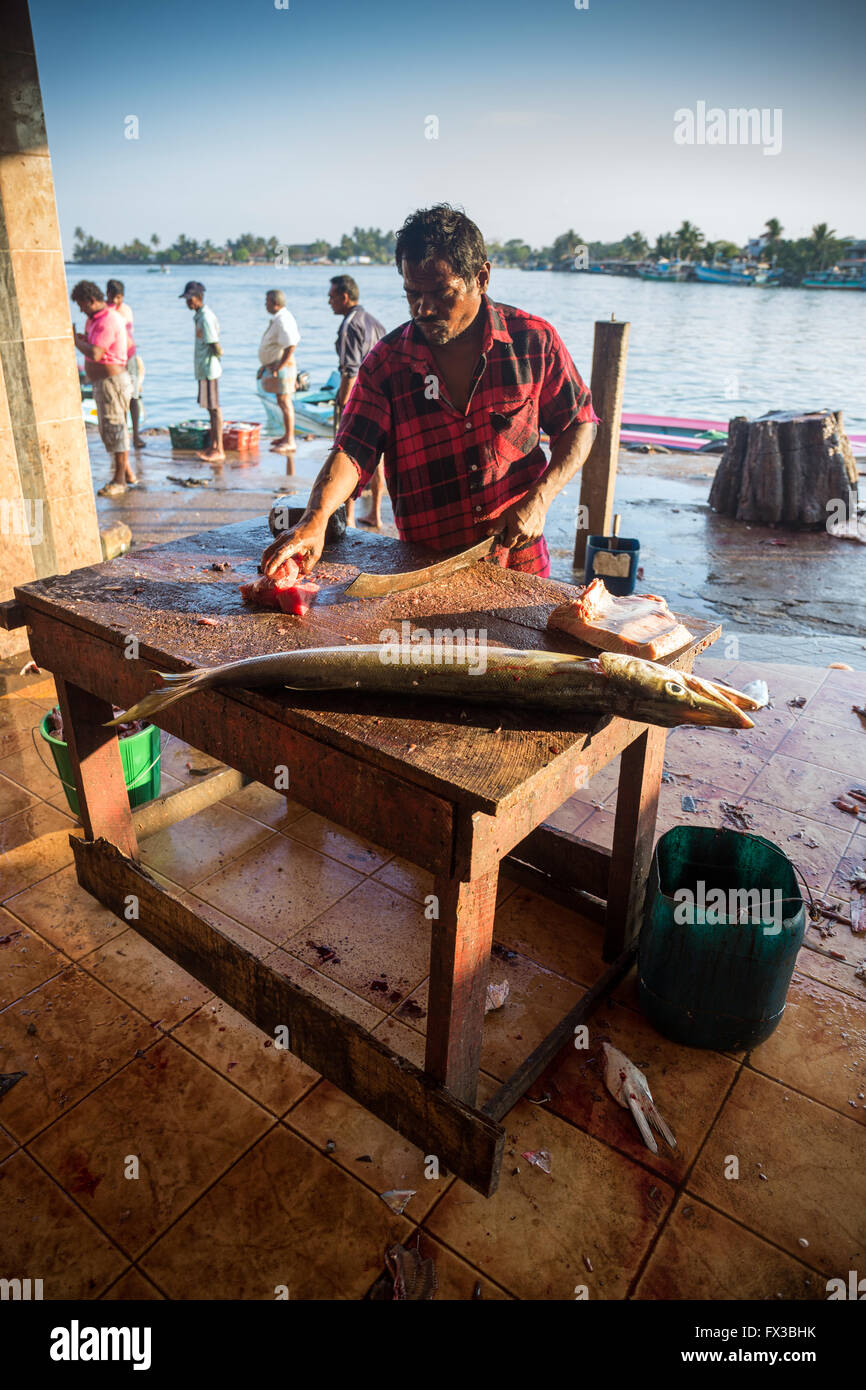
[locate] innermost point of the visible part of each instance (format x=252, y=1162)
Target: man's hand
x=305, y=542
x=524, y=521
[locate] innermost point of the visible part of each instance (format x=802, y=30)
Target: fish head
x=660, y=694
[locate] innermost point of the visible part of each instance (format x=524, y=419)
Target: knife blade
x=378, y=585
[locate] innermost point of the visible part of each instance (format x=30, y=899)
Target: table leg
x=94, y=753
x=637, y=802
x=459, y=960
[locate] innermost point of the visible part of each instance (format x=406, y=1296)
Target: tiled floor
x=159, y=1146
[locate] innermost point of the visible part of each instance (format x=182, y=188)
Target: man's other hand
x=524, y=521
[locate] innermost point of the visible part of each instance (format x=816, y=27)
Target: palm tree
x=824, y=242
x=664, y=246
x=635, y=246
x=689, y=240
x=774, y=230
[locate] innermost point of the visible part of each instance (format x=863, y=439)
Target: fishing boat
x=314, y=410
x=835, y=279
x=158, y=270
x=666, y=270
x=707, y=436
x=733, y=273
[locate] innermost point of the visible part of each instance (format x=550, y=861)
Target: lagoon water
x=695, y=350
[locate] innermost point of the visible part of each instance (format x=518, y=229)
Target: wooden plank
x=12, y=614
x=94, y=753
x=459, y=961
x=518, y=1083
x=572, y=862
x=465, y=1140
x=584, y=904
x=248, y=733
x=598, y=477
x=637, y=801
x=176, y=806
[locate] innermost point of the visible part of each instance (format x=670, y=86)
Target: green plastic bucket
x=723, y=922
x=139, y=755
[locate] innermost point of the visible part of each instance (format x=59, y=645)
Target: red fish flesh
x=287, y=591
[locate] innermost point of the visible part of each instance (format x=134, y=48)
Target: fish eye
x=672, y=688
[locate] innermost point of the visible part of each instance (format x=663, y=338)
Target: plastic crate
x=240, y=435
x=190, y=434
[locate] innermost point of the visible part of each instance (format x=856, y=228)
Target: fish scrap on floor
x=628, y=1086
x=609, y=684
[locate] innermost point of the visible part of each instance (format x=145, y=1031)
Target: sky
x=303, y=122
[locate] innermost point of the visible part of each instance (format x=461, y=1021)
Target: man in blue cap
x=208, y=368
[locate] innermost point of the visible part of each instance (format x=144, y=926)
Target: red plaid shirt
x=450, y=474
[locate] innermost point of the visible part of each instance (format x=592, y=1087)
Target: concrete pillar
x=47, y=508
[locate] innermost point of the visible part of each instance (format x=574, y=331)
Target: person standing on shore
x=114, y=293
x=208, y=368
x=357, y=333
x=279, y=368
x=104, y=345
x=456, y=399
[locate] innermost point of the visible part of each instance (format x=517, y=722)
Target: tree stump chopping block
x=787, y=469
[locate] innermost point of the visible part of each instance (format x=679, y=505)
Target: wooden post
x=598, y=478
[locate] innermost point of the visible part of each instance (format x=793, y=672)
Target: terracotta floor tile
x=533, y=1234
x=815, y=1164
x=777, y=673
x=27, y=770
x=688, y=1086
x=537, y=1000
x=828, y=745
x=328, y=1113
x=33, y=844
x=406, y=878
x=13, y=798
x=175, y=754
x=328, y=838
x=252, y=941
x=553, y=936
x=246, y=1056
x=132, y=1287
x=819, y=1047
x=199, y=846
x=46, y=1237
x=278, y=887
x=456, y=1281
x=264, y=804
x=82, y=1035
x=25, y=960
x=17, y=718
x=379, y=936
x=183, y=1123
x=703, y=769
x=283, y=1216
x=65, y=914
x=852, y=949
x=838, y=974
x=702, y=1255
x=832, y=705
x=801, y=787
x=771, y=726
x=597, y=828
x=146, y=979
x=330, y=990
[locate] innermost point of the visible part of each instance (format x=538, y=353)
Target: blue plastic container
x=614, y=561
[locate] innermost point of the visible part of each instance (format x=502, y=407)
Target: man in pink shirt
x=105, y=348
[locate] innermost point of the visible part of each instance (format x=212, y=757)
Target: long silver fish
x=606, y=684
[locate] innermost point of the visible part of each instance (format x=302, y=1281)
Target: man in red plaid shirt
x=455, y=400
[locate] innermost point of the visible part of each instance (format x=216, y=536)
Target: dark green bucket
x=723, y=923
x=139, y=754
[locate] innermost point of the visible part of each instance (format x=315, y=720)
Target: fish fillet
x=636, y=625
x=287, y=590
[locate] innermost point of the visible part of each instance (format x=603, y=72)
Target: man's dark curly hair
x=85, y=292
x=441, y=233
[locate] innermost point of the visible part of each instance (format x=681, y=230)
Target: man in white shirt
x=279, y=368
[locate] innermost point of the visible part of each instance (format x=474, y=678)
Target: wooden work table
x=454, y=789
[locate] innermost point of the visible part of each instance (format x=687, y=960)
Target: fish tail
x=177, y=685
